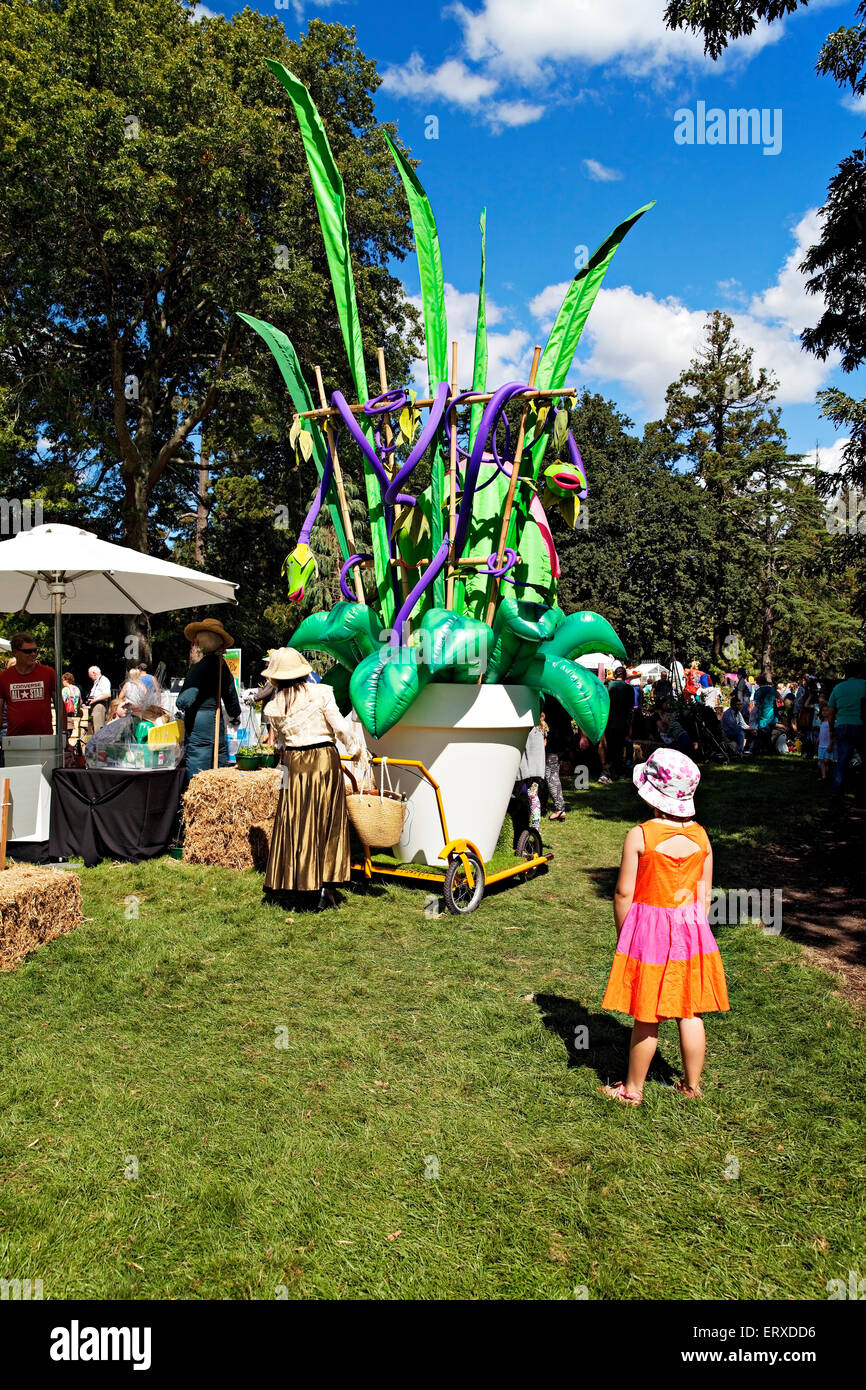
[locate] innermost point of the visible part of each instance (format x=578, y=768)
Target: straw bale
x=36, y=905
x=219, y=810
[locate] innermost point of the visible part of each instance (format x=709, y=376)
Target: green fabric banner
x=479, y=375
x=565, y=334
x=331, y=205
x=429, y=256
x=287, y=361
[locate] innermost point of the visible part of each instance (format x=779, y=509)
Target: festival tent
x=62, y=569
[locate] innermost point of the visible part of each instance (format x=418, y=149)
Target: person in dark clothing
x=558, y=739
x=618, y=725
x=743, y=689
x=207, y=684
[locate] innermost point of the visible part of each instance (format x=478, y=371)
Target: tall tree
x=835, y=263
x=154, y=185
x=715, y=419
x=764, y=519
x=643, y=557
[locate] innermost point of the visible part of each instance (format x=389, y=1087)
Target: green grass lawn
x=425, y=1129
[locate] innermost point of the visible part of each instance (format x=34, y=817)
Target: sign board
x=233, y=661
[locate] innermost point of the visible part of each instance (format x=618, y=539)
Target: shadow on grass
x=607, y=1040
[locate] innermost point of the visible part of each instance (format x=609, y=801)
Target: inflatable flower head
x=299, y=568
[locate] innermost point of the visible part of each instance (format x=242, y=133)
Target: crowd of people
x=695, y=715
x=27, y=690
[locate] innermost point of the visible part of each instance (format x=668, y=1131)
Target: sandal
x=619, y=1093
x=556, y=815
x=689, y=1092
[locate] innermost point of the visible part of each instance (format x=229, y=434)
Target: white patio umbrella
x=62, y=569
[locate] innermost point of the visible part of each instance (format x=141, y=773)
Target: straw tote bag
x=376, y=813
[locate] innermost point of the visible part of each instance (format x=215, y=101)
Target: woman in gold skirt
x=310, y=840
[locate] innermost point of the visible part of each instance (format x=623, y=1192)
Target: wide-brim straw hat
x=668, y=781
x=286, y=664
x=192, y=630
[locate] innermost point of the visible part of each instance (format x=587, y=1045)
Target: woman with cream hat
x=310, y=840
x=208, y=684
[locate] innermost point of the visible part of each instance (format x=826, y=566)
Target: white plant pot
x=471, y=739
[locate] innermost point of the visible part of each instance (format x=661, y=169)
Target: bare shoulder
x=634, y=841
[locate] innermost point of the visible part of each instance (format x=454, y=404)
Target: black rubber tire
x=529, y=846
x=458, y=899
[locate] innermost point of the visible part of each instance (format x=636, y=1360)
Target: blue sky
x=559, y=116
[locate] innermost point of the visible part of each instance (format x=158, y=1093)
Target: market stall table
x=113, y=814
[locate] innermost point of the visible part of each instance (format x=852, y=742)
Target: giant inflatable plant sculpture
x=464, y=572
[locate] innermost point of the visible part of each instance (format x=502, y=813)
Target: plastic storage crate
x=135, y=757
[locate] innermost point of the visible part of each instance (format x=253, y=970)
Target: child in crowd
x=826, y=743
x=667, y=963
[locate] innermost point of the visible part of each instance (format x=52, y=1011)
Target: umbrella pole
x=57, y=592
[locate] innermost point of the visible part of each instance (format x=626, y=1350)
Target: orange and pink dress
x=667, y=962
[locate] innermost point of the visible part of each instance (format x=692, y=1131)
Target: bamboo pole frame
x=389, y=436
x=476, y=398
x=4, y=821
x=512, y=487
x=338, y=479
x=452, y=482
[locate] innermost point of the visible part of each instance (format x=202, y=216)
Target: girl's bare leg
x=644, y=1039
x=693, y=1047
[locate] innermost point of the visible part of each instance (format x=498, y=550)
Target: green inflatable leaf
x=581, y=633
x=384, y=687
x=349, y=632
x=579, y=692
x=338, y=679
x=455, y=646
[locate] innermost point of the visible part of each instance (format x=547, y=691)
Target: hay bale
x=36, y=905
x=260, y=843
x=219, y=810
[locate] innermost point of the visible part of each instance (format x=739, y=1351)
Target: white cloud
x=517, y=38
x=198, y=12
x=644, y=343
x=452, y=81
x=599, y=172
x=457, y=84
x=509, y=351
x=855, y=104
x=546, y=303
x=787, y=302
x=830, y=458
x=514, y=113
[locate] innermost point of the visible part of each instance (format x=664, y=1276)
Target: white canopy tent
x=62, y=569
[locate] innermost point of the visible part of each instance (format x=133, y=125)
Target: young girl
x=826, y=743
x=667, y=963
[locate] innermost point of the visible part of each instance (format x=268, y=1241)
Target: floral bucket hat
x=668, y=780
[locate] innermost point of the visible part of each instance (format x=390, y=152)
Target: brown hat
x=192, y=630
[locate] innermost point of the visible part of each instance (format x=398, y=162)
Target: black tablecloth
x=113, y=815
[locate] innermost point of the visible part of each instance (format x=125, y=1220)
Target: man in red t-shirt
x=26, y=690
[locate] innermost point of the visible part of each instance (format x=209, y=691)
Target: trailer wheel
x=459, y=897
x=529, y=846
